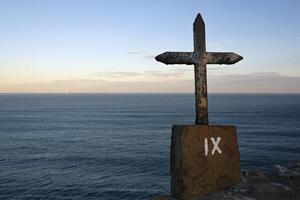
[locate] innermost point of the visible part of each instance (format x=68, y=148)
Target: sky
x=110, y=45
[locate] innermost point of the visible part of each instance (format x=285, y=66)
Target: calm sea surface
x=116, y=146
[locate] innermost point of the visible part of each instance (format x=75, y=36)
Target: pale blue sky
x=55, y=40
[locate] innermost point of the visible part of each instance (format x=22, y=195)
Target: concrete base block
x=204, y=159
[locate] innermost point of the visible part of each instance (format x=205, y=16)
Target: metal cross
x=199, y=58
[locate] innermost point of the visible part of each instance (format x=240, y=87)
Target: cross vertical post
x=200, y=72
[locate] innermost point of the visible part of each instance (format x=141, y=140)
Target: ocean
x=116, y=146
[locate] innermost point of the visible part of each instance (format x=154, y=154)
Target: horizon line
x=68, y=93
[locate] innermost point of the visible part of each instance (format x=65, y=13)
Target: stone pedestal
x=204, y=158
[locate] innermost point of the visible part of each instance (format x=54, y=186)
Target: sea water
x=116, y=146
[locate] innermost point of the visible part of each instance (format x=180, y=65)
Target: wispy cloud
x=297, y=60
x=134, y=52
x=149, y=56
x=141, y=54
x=175, y=74
x=238, y=83
x=166, y=74
x=117, y=74
x=268, y=82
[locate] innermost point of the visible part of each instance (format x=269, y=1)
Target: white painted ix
x=216, y=147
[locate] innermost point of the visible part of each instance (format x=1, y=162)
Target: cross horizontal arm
x=190, y=58
x=227, y=58
x=187, y=58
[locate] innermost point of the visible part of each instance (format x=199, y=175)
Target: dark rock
x=165, y=198
x=223, y=196
x=294, y=164
x=283, y=171
x=242, y=187
x=270, y=191
x=282, y=183
x=297, y=169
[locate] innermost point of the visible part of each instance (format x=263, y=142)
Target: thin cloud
x=168, y=74
x=134, y=52
x=296, y=60
x=236, y=83
x=118, y=74
x=161, y=74
x=149, y=56
x=213, y=68
x=267, y=82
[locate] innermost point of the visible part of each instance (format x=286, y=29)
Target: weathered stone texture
x=196, y=170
